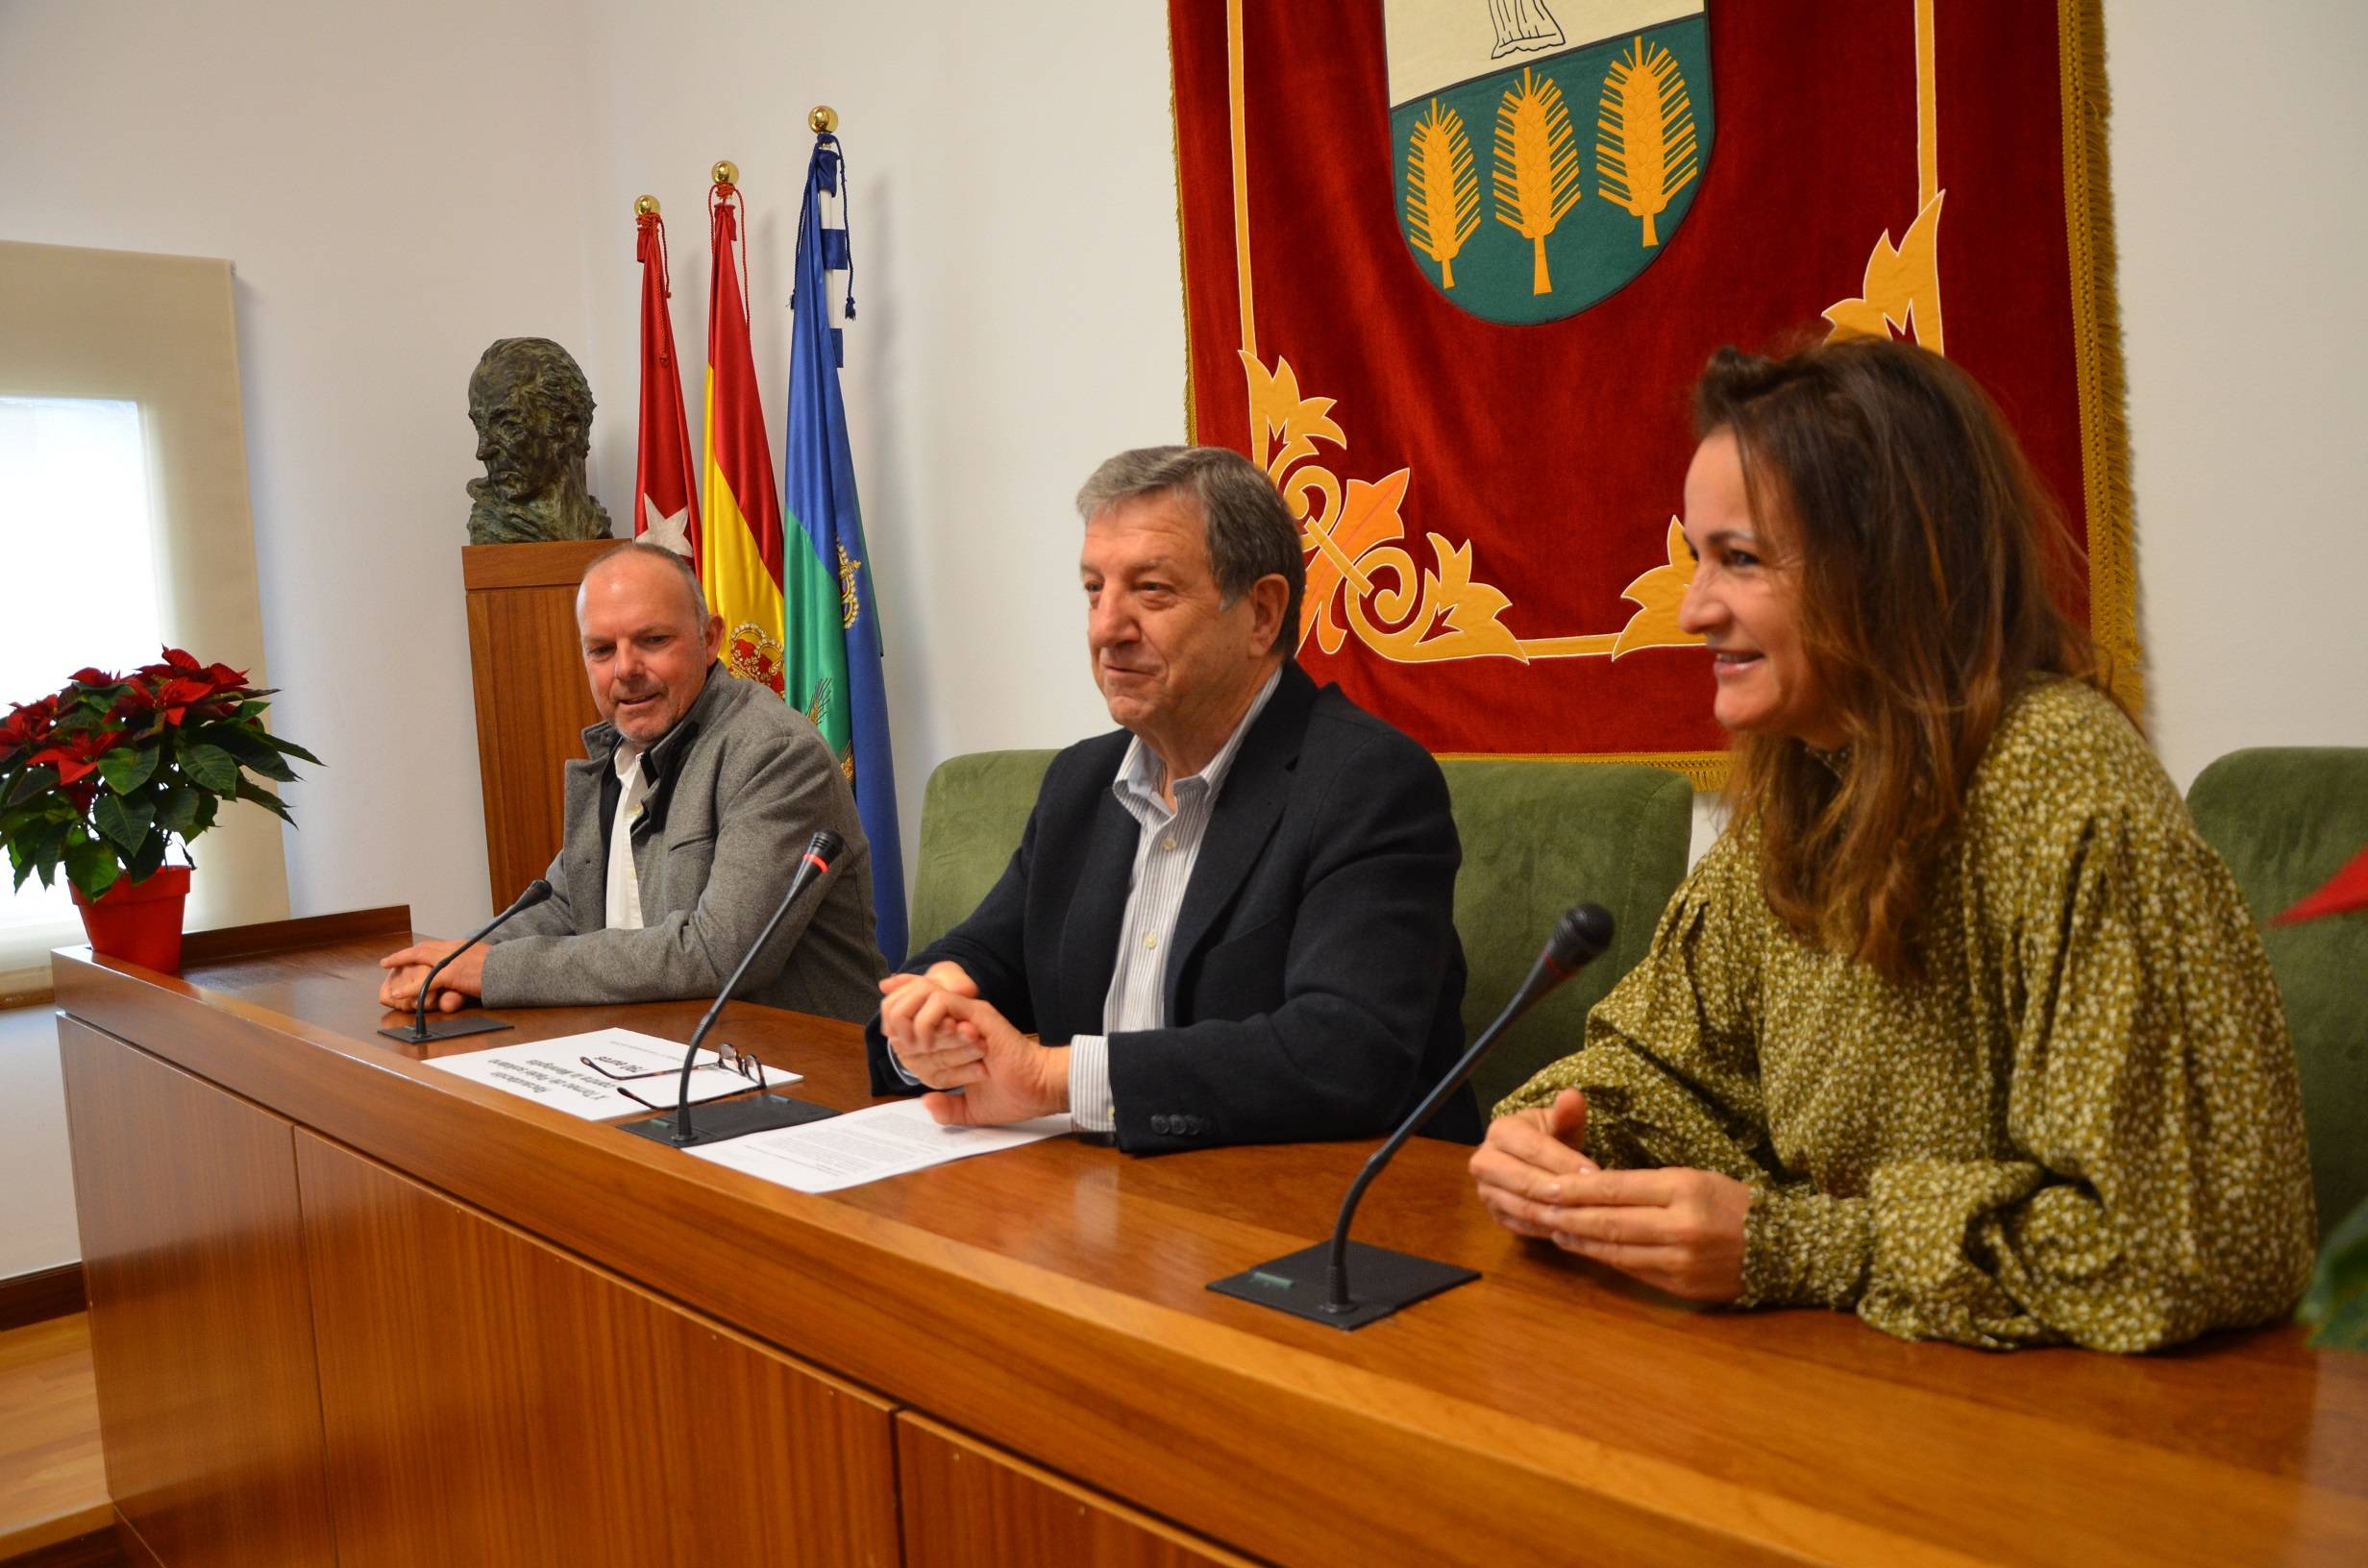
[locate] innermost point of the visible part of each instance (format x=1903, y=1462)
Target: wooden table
x=349, y=1309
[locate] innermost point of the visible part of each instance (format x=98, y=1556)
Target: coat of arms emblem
x=1545, y=150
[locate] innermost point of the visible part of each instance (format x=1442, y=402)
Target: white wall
x=1019, y=309
x=1018, y=319
x=2238, y=197
x=397, y=187
x=39, y=1232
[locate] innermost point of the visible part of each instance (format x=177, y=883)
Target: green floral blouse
x=2083, y=1122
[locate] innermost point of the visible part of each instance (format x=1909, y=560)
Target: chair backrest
x=1537, y=837
x=971, y=815
x=2286, y=819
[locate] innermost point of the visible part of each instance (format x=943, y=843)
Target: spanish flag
x=740, y=553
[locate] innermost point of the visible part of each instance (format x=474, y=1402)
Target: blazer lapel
x=1247, y=808
x=1096, y=909
x=587, y=873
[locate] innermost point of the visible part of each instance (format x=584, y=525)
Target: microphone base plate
x=451, y=1027
x=1380, y=1281
x=717, y=1120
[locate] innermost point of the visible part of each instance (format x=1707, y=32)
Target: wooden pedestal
x=531, y=700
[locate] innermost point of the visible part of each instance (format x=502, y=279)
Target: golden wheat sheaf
x=1538, y=169
x=1443, y=189
x=1645, y=148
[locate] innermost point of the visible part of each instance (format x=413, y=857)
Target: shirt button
x=1167, y=843
x=1149, y=940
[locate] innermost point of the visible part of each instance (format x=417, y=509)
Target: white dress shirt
x=624, y=880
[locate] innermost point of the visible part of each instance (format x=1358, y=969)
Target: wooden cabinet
x=201, y=1317
x=490, y=1399
x=970, y=1506
x=533, y=702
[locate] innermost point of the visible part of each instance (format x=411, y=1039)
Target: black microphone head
x=1580, y=936
x=824, y=848
x=536, y=892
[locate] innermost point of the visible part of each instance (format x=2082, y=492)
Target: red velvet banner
x=1488, y=472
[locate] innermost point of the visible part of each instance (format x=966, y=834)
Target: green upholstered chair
x=2286, y=819
x=971, y=817
x=1537, y=837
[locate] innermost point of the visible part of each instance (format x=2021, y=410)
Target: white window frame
x=162, y=331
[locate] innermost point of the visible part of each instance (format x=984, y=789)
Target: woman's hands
x=1676, y=1229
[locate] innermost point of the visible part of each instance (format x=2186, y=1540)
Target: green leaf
x=210, y=768
x=125, y=823
x=270, y=766
x=147, y=857
x=128, y=766
x=32, y=782
x=177, y=809
x=292, y=749
x=204, y=819
x=237, y=740
x=41, y=851
x=92, y=866
x=264, y=798
x=2338, y=1303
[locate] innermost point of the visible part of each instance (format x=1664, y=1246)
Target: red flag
x=665, y=485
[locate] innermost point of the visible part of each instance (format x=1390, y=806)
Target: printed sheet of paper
x=866, y=1145
x=552, y=1072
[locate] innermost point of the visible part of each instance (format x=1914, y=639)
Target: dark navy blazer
x=1314, y=979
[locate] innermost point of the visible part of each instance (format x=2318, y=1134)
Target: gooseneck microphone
x=421, y=1031
x=765, y=1111
x=1390, y=1280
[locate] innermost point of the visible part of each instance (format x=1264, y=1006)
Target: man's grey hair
x=1248, y=529
x=639, y=546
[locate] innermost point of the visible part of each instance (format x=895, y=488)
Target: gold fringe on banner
x=1707, y=770
x=2096, y=330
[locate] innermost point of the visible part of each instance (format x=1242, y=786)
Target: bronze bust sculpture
x=532, y=410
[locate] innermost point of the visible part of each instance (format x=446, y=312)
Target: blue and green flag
x=833, y=658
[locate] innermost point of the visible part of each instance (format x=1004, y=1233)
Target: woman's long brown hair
x=1919, y=541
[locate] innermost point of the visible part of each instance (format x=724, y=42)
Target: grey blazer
x=737, y=789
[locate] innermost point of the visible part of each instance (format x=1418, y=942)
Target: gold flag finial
x=823, y=118
x=645, y=206
x=726, y=172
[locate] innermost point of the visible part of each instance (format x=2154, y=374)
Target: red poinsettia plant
x=101, y=778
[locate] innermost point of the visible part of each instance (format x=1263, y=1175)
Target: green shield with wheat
x=1545, y=151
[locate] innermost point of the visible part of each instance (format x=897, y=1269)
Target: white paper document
x=866, y=1145
x=561, y=1074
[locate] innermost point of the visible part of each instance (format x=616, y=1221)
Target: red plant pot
x=138, y=924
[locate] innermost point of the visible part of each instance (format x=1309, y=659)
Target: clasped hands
x=948, y=1038
x=407, y=970
x=1678, y=1230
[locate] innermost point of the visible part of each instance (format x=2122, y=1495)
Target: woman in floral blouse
x=1960, y=1024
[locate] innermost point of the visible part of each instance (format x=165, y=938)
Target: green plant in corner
x=2337, y=1306
x=100, y=779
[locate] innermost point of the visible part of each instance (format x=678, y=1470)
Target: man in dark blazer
x=1229, y=921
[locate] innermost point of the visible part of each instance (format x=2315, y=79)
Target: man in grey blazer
x=716, y=786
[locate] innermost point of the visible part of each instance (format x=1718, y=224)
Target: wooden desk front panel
x=201, y=1322
x=490, y=1399
x=1551, y=1413
x=970, y=1506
